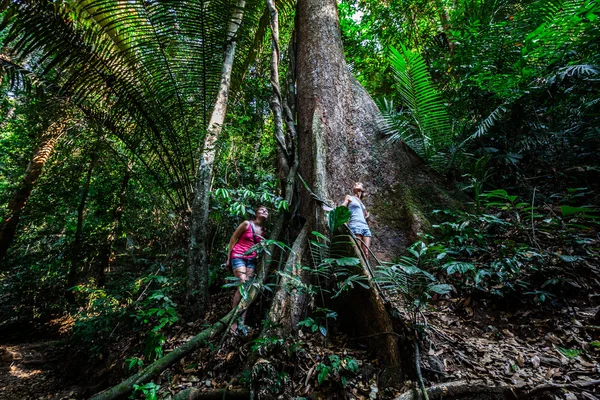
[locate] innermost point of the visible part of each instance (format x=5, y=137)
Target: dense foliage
x=500, y=97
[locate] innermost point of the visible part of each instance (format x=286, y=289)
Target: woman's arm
x=346, y=201
x=234, y=239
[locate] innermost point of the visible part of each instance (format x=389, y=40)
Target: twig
x=532, y=224
x=236, y=313
x=591, y=327
x=443, y=335
x=147, y=286
x=418, y=366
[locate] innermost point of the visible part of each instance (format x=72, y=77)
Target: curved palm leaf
x=429, y=116
x=149, y=67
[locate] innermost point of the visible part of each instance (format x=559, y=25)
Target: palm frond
x=422, y=100
x=563, y=24
x=484, y=126
x=148, y=63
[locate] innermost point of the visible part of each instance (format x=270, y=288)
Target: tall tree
x=340, y=142
x=197, y=296
x=17, y=203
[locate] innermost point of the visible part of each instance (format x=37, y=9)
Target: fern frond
x=484, y=126
x=578, y=71
x=416, y=88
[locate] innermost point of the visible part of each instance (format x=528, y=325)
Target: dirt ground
x=466, y=341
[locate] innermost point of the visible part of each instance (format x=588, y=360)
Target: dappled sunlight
x=18, y=371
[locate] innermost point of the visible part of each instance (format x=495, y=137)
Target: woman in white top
x=358, y=219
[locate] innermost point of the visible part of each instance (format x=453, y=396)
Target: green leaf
x=415, y=86
x=338, y=217
x=323, y=373
x=335, y=362
x=352, y=365
x=568, y=210
x=569, y=353
x=320, y=236
x=323, y=330
x=569, y=259
x=441, y=288
x=347, y=261
x=459, y=267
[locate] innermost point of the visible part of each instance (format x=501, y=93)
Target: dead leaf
x=508, y=333
x=535, y=360
x=550, y=373
x=552, y=338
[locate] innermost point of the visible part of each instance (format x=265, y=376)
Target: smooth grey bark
x=197, y=290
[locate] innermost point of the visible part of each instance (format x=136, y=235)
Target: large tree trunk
x=32, y=173
x=337, y=114
x=340, y=143
x=197, y=291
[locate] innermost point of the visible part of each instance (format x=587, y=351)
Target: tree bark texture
x=399, y=187
x=339, y=143
x=197, y=292
x=19, y=199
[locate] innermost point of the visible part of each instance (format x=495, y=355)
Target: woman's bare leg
x=365, y=245
x=361, y=239
x=242, y=274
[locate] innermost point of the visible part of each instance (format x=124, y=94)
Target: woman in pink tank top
x=247, y=234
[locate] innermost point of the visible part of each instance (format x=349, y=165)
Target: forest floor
x=467, y=340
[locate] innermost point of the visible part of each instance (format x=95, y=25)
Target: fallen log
x=156, y=368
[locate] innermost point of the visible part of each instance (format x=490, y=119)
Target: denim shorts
x=361, y=232
x=243, y=262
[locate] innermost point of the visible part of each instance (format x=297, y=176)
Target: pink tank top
x=244, y=243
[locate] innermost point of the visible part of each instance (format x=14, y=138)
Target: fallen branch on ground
x=156, y=368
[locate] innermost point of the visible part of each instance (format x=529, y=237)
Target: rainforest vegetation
x=135, y=136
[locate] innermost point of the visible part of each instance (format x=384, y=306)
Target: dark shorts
x=243, y=262
x=361, y=232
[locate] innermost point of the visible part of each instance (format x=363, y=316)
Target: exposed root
x=465, y=390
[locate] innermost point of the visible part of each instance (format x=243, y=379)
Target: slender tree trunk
x=113, y=231
x=197, y=291
x=19, y=199
x=284, y=143
x=76, y=253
